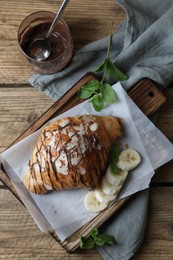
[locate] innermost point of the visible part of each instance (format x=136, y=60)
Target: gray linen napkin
x=142, y=47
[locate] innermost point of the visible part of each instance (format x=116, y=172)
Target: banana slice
x=108, y=188
x=116, y=179
x=102, y=197
x=128, y=159
x=92, y=204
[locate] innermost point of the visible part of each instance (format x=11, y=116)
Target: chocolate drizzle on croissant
x=71, y=153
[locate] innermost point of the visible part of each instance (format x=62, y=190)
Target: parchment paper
x=64, y=210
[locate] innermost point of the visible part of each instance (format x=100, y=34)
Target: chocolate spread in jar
x=57, y=42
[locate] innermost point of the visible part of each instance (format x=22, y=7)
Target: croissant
x=72, y=153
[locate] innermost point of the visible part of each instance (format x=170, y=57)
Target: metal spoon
x=40, y=49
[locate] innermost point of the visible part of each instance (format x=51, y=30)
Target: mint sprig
x=96, y=239
x=100, y=92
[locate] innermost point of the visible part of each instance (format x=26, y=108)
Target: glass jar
x=36, y=25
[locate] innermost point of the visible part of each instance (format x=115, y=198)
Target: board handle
x=147, y=96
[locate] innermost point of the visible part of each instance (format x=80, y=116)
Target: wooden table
x=21, y=105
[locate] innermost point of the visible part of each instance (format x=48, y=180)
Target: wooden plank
x=164, y=175
x=67, y=101
x=88, y=21
x=158, y=243
x=19, y=108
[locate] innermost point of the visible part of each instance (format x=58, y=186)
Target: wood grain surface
x=21, y=105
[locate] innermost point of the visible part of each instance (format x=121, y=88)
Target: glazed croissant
x=71, y=153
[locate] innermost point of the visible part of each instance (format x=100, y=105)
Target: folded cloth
x=143, y=48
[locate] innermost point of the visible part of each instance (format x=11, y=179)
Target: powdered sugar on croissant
x=72, y=153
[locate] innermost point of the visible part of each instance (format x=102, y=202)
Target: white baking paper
x=64, y=210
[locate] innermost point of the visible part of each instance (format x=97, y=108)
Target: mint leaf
x=92, y=85
x=88, y=89
x=114, y=153
x=114, y=72
x=86, y=243
x=100, y=240
x=108, y=239
x=113, y=158
x=114, y=168
x=103, y=239
x=96, y=238
x=108, y=93
x=94, y=232
x=97, y=102
x=84, y=93
x=101, y=67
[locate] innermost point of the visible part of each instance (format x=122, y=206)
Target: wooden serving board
x=146, y=96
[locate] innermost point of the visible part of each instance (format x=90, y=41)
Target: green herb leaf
x=92, y=85
x=108, y=93
x=100, y=240
x=114, y=72
x=84, y=93
x=114, y=153
x=86, y=243
x=109, y=239
x=88, y=89
x=97, y=102
x=114, y=168
x=103, y=239
x=96, y=238
x=113, y=158
x=94, y=232
x=102, y=66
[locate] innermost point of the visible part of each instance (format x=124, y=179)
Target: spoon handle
x=63, y=6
